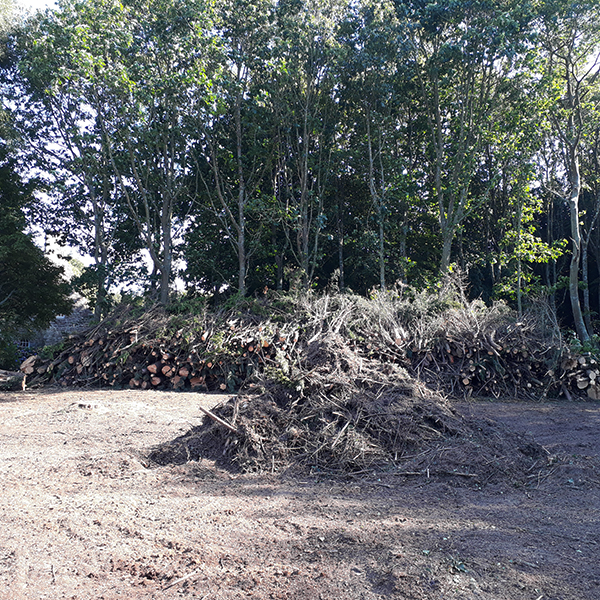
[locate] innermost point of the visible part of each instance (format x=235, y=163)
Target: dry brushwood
x=345, y=413
x=11, y=380
x=486, y=352
x=464, y=350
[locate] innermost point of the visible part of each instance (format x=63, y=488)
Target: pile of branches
x=457, y=347
x=343, y=412
x=11, y=380
x=480, y=351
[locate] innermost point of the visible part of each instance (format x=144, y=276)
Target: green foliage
x=253, y=144
x=51, y=352
x=188, y=305
x=9, y=354
x=32, y=291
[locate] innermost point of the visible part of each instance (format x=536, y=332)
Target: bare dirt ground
x=85, y=515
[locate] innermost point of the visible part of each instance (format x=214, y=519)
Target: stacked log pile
x=499, y=357
x=466, y=351
x=148, y=353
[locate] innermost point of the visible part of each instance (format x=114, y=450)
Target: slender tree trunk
x=340, y=233
x=574, y=177
x=166, y=264
x=447, y=237
x=381, y=252
x=519, y=261
x=402, y=250
x=377, y=202
x=100, y=254
x=241, y=242
x=587, y=310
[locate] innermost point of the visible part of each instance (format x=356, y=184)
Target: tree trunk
x=340, y=232
x=377, y=202
x=580, y=328
x=587, y=311
x=447, y=237
x=241, y=242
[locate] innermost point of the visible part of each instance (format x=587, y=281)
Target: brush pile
x=457, y=347
x=341, y=412
x=480, y=351
x=337, y=383
x=11, y=380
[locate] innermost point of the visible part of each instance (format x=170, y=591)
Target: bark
x=377, y=201
x=241, y=229
x=573, y=201
x=340, y=244
x=447, y=237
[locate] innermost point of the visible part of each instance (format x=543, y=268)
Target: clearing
x=85, y=515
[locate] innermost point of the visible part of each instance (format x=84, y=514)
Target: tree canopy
x=243, y=144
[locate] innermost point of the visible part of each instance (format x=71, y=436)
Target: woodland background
x=239, y=145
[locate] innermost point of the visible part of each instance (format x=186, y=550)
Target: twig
x=566, y=393
x=181, y=579
x=218, y=419
x=458, y=474
x=339, y=435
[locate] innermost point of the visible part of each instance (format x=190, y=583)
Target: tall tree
x=304, y=108
x=571, y=39
x=236, y=146
x=370, y=72
x=119, y=80
x=461, y=53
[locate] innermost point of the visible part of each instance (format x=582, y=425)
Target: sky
x=35, y=4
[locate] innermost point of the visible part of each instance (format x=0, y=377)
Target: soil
x=85, y=514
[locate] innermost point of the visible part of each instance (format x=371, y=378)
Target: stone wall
x=62, y=327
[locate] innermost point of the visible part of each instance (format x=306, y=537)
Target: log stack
x=466, y=355
x=220, y=357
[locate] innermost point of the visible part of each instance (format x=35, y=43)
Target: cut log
x=196, y=382
x=154, y=368
x=168, y=371
x=28, y=365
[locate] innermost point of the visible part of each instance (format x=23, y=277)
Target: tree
x=370, y=71
x=32, y=291
x=236, y=146
x=306, y=114
x=120, y=80
x=571, y=37
x=461, y=53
